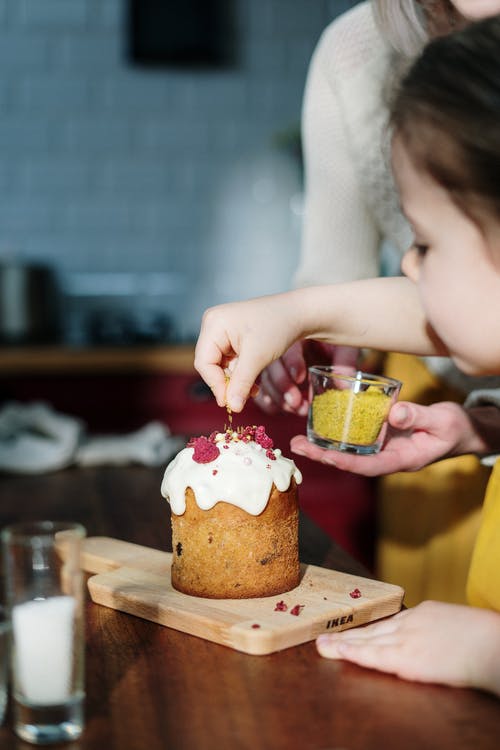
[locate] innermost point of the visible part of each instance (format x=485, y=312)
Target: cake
x=234, y=504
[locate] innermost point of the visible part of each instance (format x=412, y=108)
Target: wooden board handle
x=101, y=554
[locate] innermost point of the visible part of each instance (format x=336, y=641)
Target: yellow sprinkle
x=348, y=417
x=229, y=412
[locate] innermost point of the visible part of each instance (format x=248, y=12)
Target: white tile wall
x=108, y=168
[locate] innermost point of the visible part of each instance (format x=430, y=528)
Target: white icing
x=241, y=475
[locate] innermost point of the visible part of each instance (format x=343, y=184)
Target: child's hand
x=433, y=642
x=244, y=337
x=419, y=436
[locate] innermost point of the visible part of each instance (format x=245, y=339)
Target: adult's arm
x=340, y=236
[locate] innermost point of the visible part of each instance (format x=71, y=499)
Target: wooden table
x=152, y=688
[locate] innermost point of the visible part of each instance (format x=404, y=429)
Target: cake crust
x=227, y=553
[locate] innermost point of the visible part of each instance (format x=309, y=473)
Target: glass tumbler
x=4, y=661
x=348, y=412
x=44, y=589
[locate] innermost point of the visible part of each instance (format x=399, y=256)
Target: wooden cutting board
x=136, y=580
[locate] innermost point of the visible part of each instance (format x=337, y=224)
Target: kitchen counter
x=152, y=687
x=43, y=360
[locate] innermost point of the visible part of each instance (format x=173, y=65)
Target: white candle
x=43, y=637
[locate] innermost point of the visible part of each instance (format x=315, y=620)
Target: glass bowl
x=348, y=412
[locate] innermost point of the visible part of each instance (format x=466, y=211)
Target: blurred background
x=150, y=166
x=150, y=157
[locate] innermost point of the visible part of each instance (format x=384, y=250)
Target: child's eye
x=421, y=249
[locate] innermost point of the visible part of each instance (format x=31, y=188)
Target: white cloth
x=152, y=445
x=351, y=205
x=35, y=439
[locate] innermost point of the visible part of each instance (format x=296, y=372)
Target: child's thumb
x=407, y=416
x=402, y=416
x=241, y=382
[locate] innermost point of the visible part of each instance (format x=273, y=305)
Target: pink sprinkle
x=355, y=594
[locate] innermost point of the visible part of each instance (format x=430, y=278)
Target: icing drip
x=242, y=474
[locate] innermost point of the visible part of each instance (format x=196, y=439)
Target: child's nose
x=409, y=264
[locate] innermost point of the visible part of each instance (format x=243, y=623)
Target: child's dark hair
x=447, y=113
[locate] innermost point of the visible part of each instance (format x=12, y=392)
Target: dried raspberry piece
x=214, y=472
x=205, y=450
x=355, y=594
x=256, y=625
x=192, y=441
x=297, y=609
x=261, y=438
x=270, y=455
x=281, y=607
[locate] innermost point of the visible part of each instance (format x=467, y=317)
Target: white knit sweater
x=351, y=201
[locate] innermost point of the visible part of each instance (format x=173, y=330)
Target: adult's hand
x=417, y=436
x=283, y=384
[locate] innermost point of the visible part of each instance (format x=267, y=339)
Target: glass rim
x=359, y=376
x=24, y=532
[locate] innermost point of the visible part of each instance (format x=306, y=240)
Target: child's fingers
x=254, y=391
x=209, y=362
x=214, y=377
x=245, y=372
x=381, y=655
x=386, y=626
x=375, y=465
x=386, y=633
x=405, y=415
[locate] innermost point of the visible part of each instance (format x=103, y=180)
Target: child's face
x=477, y=9
x=455, y=266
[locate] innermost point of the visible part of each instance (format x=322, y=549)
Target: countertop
x=152, y=687
x=37, y=360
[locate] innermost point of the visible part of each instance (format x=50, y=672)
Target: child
x=446, y=160
x=350, y=203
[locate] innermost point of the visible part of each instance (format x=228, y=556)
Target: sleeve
x=485, y=397
x=340, y=239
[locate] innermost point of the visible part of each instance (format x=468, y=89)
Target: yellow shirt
x=483, y=584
